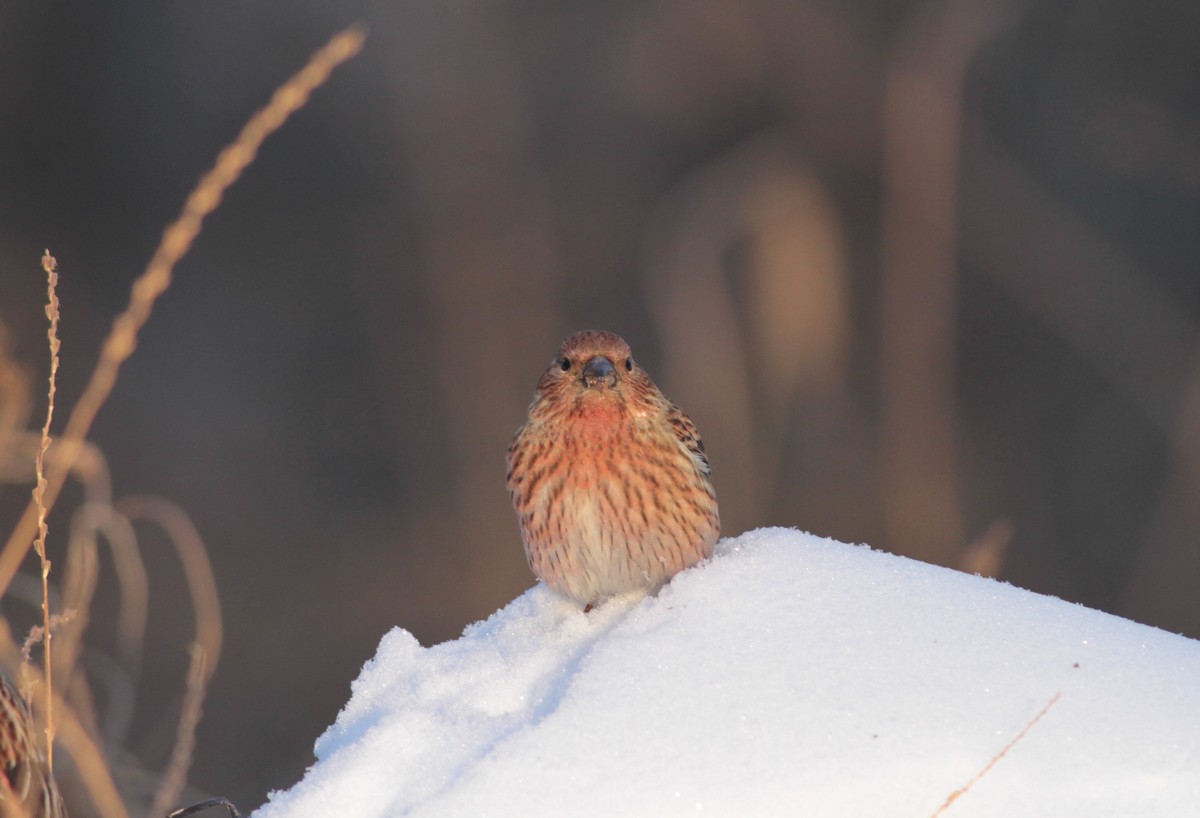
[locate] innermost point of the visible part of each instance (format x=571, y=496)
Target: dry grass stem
x=174, y=777
x=996, y=758
x=72, y=450
x=90, y=762
x=89, y=466
x=175, y=243
x=776, y=326
x=207, y=647
x=193, y=556
x=39, y=489
x=89, y=520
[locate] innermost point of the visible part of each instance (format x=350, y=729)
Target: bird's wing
x=685, y=432
x=26, y=777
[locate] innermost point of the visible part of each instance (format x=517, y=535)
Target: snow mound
x=790, y=675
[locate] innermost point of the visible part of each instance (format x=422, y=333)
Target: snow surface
x=790, y=675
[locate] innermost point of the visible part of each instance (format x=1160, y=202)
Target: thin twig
x=988, y=768
x=176, y=241
x=39, y=489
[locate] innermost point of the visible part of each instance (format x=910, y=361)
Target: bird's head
x=594, y=372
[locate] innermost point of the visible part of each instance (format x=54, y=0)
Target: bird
x=27, y=786
x=609, y=479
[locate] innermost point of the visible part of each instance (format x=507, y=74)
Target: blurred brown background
x=925, y=275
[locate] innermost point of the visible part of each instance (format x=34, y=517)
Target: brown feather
x=609, y=479
x=28, y=788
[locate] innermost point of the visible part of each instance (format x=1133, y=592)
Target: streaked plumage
x=27, y=788
x=609, y=479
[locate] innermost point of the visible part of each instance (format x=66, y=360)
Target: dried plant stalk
x=87, y=522
x=954, y=796
x=39, y=490
x=193, y=556
x=122, y=339
x=176, y=241
x=174, y=778
x=207, y=646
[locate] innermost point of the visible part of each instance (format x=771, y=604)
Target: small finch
x=609, y=479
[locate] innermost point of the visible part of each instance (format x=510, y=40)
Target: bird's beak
x=599, y=372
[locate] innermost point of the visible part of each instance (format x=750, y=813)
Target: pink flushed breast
x=610, y=483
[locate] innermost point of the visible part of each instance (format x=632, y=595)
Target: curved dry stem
x=174, y=777
x=79, y=582
x=90, y=761
x=197, y=568
x=91, y=470
x=112, y=682
x=26, y=589
x=134, y=585
x=131, y=578
x=18, y=452
x=205, y=650
x=176, y=241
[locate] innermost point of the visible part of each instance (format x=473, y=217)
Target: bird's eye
x=565, y=364
x=629, y=364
